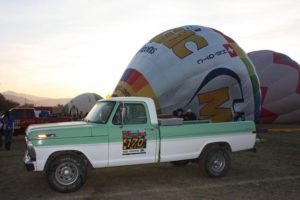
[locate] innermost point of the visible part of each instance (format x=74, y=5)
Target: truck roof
x=147, y=100
x=128, y=99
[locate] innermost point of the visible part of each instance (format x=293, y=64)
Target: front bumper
x=29, y=164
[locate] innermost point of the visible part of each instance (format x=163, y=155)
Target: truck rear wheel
x=66, y=173
x=215, y=162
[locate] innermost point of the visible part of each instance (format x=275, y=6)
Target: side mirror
x=123, y=113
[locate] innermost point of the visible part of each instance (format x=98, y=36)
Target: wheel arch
x=67, y=152
x=210, y=145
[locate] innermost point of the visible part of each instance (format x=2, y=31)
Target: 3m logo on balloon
x=213, y=100
x=176, y=40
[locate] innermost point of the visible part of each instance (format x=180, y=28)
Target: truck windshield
x=100, y=112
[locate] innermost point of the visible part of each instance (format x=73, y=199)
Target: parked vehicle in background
x=27, y=116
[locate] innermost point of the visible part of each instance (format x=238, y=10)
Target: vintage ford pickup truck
x=126, y=131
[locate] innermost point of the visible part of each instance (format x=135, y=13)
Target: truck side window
x=133, y=113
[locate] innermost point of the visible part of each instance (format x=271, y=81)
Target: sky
x=62, y=48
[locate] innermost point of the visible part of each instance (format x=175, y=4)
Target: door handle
x=149, y=129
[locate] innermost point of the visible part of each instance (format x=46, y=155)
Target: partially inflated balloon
x=194, y=67
x=83, y=103
x=279, y=79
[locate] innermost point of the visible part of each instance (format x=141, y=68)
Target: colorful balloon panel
x=279, y=78
x=194, y=67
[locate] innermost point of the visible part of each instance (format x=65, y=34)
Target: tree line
x=6, y=104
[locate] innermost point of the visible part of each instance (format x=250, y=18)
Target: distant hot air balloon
x=194, y=67
x=279, y=79
x=82, y=103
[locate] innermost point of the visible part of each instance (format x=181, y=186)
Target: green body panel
x=68, y=133
x=72, y=133
x=71, y=141
x=61, y=130
x=196, y=129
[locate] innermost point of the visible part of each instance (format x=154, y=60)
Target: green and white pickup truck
x=126, y=131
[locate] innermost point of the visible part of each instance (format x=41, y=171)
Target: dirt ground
x=271, y=173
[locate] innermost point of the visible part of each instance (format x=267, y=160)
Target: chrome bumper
x=28, y=163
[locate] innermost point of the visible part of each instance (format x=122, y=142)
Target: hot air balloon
x=197, y=68
x=279, y=78
x=81, y=103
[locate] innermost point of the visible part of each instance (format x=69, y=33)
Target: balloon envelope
x=194, y=67
x=83, y=103
x=279, y=79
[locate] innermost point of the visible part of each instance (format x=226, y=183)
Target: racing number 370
x=134, y=139
x=133, y=143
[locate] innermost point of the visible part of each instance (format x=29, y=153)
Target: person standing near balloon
x=189, y=115
x=8, y=128
x=74, y=112
x=239, y=116
x=178, y=113
x=1, y=131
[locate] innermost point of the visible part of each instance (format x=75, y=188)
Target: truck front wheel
x=215, y=162
x=66, y=173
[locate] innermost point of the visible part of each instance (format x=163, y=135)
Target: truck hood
x=59, y=130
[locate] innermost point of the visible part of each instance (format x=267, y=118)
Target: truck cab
x=132, y=127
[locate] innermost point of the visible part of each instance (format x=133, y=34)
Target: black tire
x=66, y=173
x=180, y=162
x=215, y=162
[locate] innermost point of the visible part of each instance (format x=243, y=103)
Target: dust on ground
x=271, y=173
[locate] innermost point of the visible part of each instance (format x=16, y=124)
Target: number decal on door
x=134, y=142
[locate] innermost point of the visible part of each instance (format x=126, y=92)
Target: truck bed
x=196, y=134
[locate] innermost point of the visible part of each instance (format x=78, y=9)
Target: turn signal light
x=42, y=136
x=45, y=135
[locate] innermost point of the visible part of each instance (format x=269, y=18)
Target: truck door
x=132, y=137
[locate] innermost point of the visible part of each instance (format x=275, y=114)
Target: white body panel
x=117, y=159
x=97, y=154
x=173, y=149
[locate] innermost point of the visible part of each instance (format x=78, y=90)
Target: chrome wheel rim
x=217, y=163
x=66, y=173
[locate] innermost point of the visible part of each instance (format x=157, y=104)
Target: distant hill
x=52, y=102
x=31, y=99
